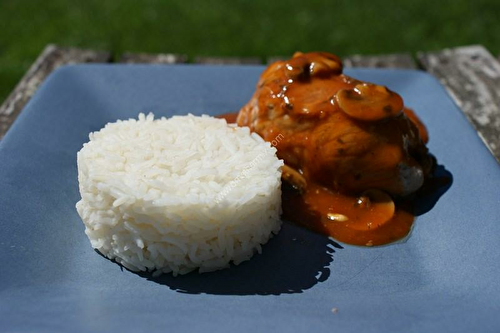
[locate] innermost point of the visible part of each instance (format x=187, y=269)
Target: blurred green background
x=240, y=28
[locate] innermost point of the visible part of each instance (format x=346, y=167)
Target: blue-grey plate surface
x=445, y=277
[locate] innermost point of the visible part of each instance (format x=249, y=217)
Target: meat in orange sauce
x=350, y=148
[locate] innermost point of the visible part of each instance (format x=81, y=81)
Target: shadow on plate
x=437, y=185
x=291, y=262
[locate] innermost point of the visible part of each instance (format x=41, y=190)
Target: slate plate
x=443, y=278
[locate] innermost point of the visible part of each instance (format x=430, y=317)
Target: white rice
x=177, y=194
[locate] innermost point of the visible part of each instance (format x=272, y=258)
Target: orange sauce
x=230, y=117
x=314, y=208
x=340, y=138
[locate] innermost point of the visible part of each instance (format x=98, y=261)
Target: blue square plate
x=444, y=278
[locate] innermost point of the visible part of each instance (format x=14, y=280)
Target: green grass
x=240, y=28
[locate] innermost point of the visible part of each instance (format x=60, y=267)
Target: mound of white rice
x=177, y=194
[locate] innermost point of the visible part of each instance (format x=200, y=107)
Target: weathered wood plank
x=403, y=60
x=472, y=77
x=51, y=58
x=148, y=58
x=227, y=61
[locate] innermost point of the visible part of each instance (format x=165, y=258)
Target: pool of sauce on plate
x=365, y=218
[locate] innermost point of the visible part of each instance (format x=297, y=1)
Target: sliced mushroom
x=369, y=102
x=325, y=65
x=376, y=207
x=293, y=177
x=301, y=67
x=378, y=200
x=336, y=217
